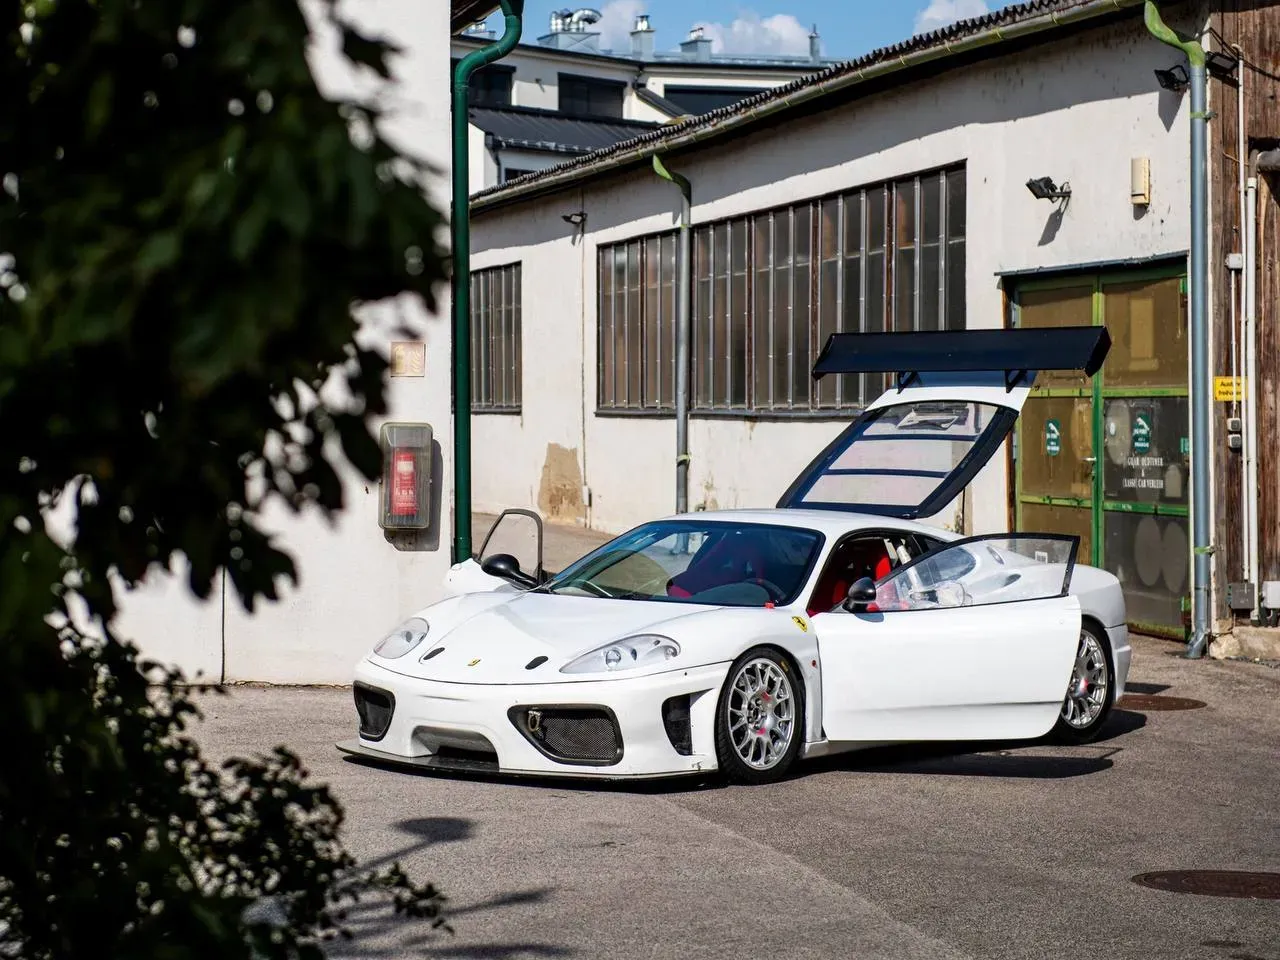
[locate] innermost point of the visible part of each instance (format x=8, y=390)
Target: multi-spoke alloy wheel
x=1089, y=694
x=758, y=721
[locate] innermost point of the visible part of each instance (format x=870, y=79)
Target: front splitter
x=467, y=765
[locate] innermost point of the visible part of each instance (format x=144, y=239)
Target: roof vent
x=573, y=21
x=569, y=30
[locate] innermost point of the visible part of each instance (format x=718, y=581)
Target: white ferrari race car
x=744, y=640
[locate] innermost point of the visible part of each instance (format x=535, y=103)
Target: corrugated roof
x=937, y=40
x=527, y=128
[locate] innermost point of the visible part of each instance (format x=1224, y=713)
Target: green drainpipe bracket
x=460, y=238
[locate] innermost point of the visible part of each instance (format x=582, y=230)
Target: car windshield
x=686, y=561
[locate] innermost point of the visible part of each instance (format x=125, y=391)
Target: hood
x=491, y=638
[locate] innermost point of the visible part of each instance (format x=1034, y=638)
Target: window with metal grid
x=636, y=310
x=770, y=287
x=495, y=339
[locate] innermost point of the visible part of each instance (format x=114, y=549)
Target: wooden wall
x=1254, y=25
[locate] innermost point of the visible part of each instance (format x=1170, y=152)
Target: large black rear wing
x=1019, y=353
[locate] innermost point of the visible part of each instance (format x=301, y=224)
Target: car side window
x=979, y=572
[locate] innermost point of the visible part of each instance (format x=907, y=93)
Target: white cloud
x=617, y=17
x=941, y=13
x=751, y=34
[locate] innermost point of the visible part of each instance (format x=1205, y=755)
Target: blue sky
x=848, y=27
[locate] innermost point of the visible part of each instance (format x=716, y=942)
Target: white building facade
x=896, y=198
x=353, y=582
x=560, y=94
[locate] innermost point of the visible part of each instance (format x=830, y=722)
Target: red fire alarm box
x=406, y=476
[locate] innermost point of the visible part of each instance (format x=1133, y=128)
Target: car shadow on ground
x=1021, y=759
x=1040, y=759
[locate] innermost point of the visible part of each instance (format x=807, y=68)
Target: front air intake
x=571, y=734
x=675, y=720
x=375, y=707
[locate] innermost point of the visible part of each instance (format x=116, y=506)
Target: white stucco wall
x=1076, y=110
x=353, y=584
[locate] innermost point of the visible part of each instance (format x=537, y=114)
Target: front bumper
x=476, y=727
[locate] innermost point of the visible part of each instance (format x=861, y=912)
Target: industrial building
x=1029, y=167
x=562, y=94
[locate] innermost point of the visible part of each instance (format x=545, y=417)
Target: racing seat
x=733, y=558
x=849, y=562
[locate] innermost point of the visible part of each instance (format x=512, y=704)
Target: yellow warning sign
x=1228, y=389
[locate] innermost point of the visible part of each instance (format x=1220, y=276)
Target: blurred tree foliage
x=186, y=227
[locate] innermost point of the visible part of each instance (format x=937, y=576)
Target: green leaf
x=249, y=229
x=158, y=253
x=98, y=105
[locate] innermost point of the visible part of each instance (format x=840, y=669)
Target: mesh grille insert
x=375, y=708
x=675, y=718
x=586, y=735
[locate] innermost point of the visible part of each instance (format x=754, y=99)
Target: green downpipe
x=460, y=237
x=1201, y=455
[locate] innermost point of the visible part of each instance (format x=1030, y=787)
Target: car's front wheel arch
x=782, y=668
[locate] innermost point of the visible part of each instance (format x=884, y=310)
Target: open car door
x=517, y=533
x=972, y=641
x=958, y=395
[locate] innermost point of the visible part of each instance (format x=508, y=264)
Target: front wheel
x=1091, y=693
x=759, y=718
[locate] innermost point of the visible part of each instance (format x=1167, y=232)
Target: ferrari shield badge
x=474, y=662
x=800, y=622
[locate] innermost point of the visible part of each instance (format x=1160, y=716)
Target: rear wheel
x=1091, y=693
x=759, y=718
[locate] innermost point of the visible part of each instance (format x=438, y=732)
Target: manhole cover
x=1214, y=883
x=1151, y=701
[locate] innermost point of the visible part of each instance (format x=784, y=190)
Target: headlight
x=645, y=650
x=402, y=639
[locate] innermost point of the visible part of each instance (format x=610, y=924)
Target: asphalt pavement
x=957, y=851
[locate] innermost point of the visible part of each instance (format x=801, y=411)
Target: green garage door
x=1109, y=460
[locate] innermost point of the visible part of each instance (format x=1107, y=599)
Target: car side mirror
x=507, y=567
x=861, y=593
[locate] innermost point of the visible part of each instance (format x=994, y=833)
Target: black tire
x=1093, y=652
x=760, y=663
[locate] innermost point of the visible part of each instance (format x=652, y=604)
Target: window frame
x=613, y=86
x=1073, y=559
x=662, y=409
x=864, y=388
x=481, y=322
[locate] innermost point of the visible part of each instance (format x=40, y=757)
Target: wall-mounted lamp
x=577, y=219
x=1043, y=188
x=1175, y=78
x=1220, y=64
